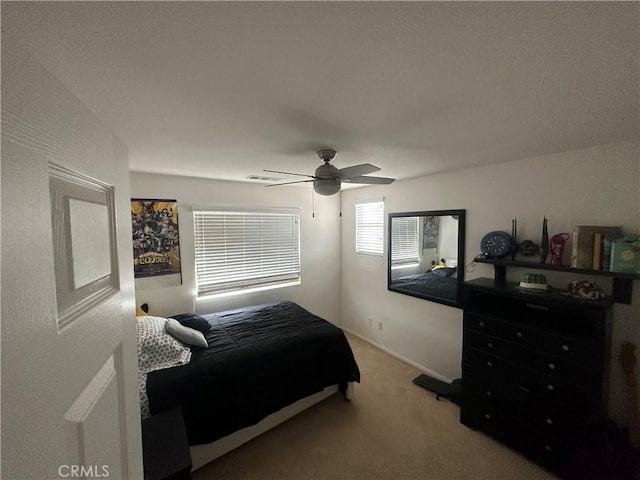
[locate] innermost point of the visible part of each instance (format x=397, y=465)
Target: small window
x=370, y=228
x=241, y=251
x=406, y=241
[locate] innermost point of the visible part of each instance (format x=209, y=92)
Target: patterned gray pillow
x=156, y=348
x=144, y=399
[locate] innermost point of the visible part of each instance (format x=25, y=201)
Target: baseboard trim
x=422, y=368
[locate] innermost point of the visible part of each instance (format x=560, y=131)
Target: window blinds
x=405, y=241
x=240, y=250
x=370, y=228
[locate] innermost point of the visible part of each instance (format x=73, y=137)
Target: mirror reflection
x=426, y=255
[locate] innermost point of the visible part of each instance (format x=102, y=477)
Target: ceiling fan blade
x=369, y=180
x=287, y=183
x=356, y=171
x=289, y=173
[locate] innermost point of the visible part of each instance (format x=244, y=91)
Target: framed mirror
x=426, y=255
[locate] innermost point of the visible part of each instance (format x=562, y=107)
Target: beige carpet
x=392, y=430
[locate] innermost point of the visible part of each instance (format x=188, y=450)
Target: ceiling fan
x=327, y=178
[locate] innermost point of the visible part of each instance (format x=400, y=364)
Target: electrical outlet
x=379, y=325
x=370, y=320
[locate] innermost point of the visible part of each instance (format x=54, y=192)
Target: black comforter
x=259, y=360
x=428, y=283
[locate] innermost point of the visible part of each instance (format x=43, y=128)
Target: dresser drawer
x=571, y=318
x=493, y=390
x=487, y=417
x=562, y=368
x=562, y=346
x=544, y=416
x=490, y=366
x=542, y=361
x=516, y=378
x=551, y=420
x=550, y=448
x=491, y=344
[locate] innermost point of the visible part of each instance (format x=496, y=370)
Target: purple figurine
x=557, y=247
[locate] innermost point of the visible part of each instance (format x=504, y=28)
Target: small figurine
x=584, y=290
x=557, y=247
x=528, y=248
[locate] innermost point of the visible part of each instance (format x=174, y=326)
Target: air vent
x=263, y=179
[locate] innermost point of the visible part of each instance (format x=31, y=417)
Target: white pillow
x=187, y=335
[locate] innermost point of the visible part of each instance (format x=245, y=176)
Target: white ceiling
x=225, y=89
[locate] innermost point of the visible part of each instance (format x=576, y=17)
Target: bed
x=441, y=283
x=261, y=365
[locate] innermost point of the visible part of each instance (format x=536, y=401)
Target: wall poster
x=430, y=232
x=156, y=245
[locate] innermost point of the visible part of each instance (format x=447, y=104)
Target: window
x=405, y=241
x=370, y=228
x=241, y=251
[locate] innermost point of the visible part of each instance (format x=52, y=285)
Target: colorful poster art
x=156, y=245
x=430, y=231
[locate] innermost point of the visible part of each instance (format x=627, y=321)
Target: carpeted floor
x=392, y=430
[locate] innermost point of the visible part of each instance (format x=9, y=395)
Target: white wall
x=447, y=238
x=597, y=186
x=319, y=291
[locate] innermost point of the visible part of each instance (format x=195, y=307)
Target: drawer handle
x=489, y=363
x=537, y=307
x=552, y=366
x=490, y=345
x=487, y=416
x=565, y=348
x=519, y=334
x=524, y=389
x=550, y=387
x=549, y=421
x=547, y=448
x=481, y=324
x=488, y=393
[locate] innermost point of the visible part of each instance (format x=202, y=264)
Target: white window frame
x=245, y=250
x=369, y=219
x=405, y=235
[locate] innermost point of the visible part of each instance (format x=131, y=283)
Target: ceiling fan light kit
x=326, y=187
x=327, y=179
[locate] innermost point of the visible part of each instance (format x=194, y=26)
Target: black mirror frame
x=461, y=214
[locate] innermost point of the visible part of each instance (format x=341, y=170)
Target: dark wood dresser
x=535, y=371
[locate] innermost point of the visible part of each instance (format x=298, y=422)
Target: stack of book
x=592, y=246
